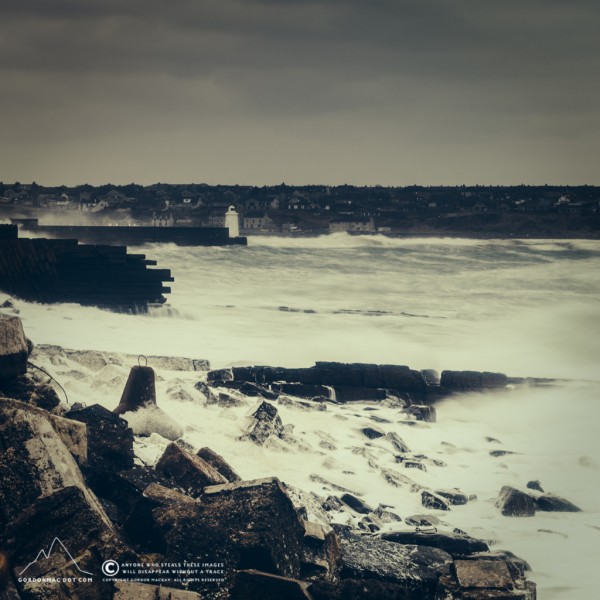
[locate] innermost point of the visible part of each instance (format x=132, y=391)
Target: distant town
x=473, y=211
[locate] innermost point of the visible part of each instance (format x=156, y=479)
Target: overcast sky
x=390, y=92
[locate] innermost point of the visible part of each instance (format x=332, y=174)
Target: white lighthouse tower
x=232, y=222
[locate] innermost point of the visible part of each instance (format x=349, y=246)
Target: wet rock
x=548, y=502
x=422, y=412
x=517, y=566
x=110, y=439
x=422, y=521
x=302, y=390
x=227, y=401
x=432, y=377
x=191, y=472
x=321, y=552
x=413, y=464
x=131, y=590
x=256, y=584
x=398, y=480
x=372, y=432
x=26, y=389
x=472, y=380
x=264, y=422
x=247, y=524
x=140, y=390
x=386, y=516
x=515, y=503
x=498, y=453
x=13, y=347
x=483, y=574
x=535, y=485
x=218, y=376
x=219, y=463
x=414, y=570
x=82, y=533
x=34, y=460
x=433, y=500
x=397, y=442
x=356, y=504
x=203, y=388
x=141, y=526
x=455, y=497
x=254, y=390
x=452, y=543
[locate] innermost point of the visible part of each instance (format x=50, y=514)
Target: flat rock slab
x=452, y=543
x=483, y=573
x=130, y=590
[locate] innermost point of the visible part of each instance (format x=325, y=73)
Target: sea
x=528, y=308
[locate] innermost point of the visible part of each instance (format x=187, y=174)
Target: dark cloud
x=366, y=86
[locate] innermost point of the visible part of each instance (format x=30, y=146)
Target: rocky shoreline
x=78, y=473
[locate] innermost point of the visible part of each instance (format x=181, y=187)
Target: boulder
x=35, y=461
x=397, y=442
x=548, y=502
x=356, y=504
x=250, y=584
x=26, y=389
x=433, y=500
x=535, y=485
x=219, y=463
x=218, y=376
x=140, y=390
x=203, y=388
x=131, y=590
x=372, y=432
x=52, y=531
x=452, y=543
x=515, y=503
x=264, y=422
x=455, y=497
x=191, y=472
x=414, y=570
x=422, y=412
x=141, y=525
x=247, y=525
x=13, y=347
x=110, y=439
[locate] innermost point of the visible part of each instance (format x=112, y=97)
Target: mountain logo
x=42, y=554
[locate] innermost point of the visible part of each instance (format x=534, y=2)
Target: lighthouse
x=232, y=222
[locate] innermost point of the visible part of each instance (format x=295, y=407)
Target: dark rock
x=412, y=464
x=247, y=524
x=422, y=412
x=356, y=504
x=452, y=543
x=517, y=566
x=250, y=584
x=432, y=377
x=397, y=442
x=131, y=590
x=386, y=516
x=433, y=500
x=422, y=521
x=124, y=488
x=515, y=503
x=64, y=525
x=13, y=347
x=552, y=503
x=219, y=463
x=482, y=573
x=110, y=440
x=26, y=389
x=265, y=421
x=332, y=503
x=472, y=380
x=191, y=472
x=140, y=390
x=455, y=497
x=414, y=569
x=141, y=526
x=253, y=390
x=34, y=460
x=358, y=394
x=206, y=391
x=498, y=453
x=219, y=375
x=372, y=432
x=535, y=485
x=302, y=390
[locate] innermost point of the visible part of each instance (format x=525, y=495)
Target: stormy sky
x=390, y=92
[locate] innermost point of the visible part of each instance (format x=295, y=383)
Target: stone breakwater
x=71, y=472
